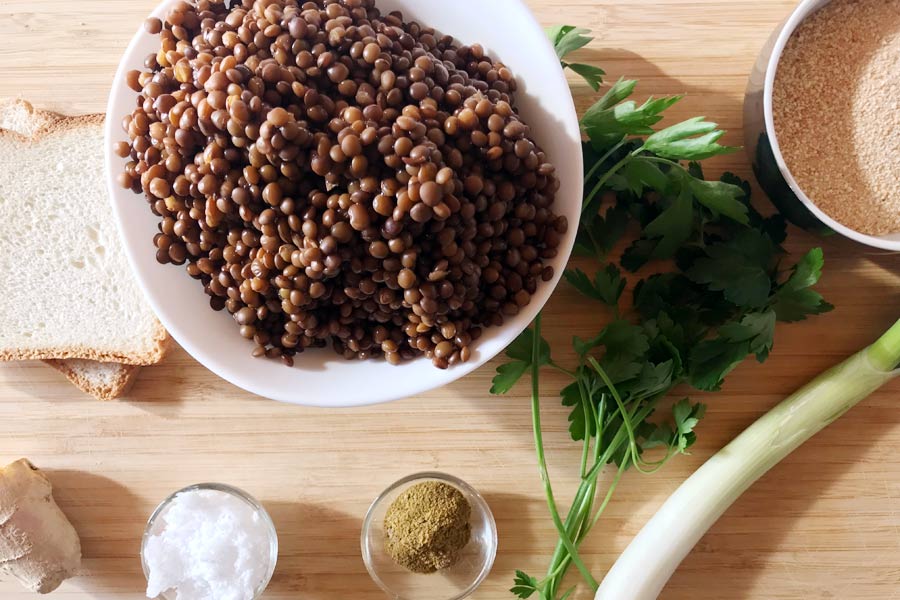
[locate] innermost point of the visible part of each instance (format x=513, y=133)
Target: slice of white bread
x=69, y=291
x=103, y=380
x=20, y=117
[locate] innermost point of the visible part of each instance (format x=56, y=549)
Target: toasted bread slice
x=69, y=292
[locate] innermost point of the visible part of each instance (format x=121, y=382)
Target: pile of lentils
x=332, y=173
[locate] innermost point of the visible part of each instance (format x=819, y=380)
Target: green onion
x=649, y=561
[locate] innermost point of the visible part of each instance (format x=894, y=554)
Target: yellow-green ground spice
x=427, y=526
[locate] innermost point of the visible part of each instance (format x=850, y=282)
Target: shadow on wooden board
x=318, y=556
x=110, y=521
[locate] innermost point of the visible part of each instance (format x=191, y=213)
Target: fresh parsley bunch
x=713, y=286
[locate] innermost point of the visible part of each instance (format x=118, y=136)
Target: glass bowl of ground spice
x=821, y=120
x=429, y=535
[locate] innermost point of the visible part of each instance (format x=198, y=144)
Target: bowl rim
x=800, y=13
x=365, y=396
x=481, y=504
x=231, y=490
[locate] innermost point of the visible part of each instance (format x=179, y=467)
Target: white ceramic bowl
x=765, y=152
x=508, y=31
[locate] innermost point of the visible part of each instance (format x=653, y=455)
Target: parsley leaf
x=598, y=234
x=774, y=226
x=757, y=329
x=625, y=118
x=652, y=380
x=567, y=39
x=524, y=585
x=712, y=360
x=579, y=428
x=641, y=174
x=673, y=227
x=795, y=300
x=807, y=271
x=687, y=416
x=592, y=75
x=508, y=374
x=721, y=198
x=798, y=305
x=738, y=267
x=694, y=139
x=607, y=286
x=621, y=89
x=625, y=345
x=520, y=349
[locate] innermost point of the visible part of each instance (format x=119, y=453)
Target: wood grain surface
x=824, y=524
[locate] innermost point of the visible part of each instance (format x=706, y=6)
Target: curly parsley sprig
x=718, y=289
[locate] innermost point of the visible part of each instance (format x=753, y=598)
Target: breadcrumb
x=836, y=104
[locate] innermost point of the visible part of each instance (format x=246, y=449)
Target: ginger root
x=38, y=545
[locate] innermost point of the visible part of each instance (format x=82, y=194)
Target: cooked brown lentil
x=332, y=173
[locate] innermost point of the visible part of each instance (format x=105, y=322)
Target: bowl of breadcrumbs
x=822, y=119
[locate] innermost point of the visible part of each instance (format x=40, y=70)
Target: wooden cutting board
x=824, y=524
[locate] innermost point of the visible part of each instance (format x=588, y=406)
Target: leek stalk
x=649, y=561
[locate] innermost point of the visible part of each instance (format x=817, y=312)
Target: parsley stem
x=542, y=460
x=586, y=447
x=562, y=369
x=599, y=418
x=626, y=416
x=622, y=436
x=582, y=504
x=578, y=513
x=560, y=562
x=582, y=518
x=666, y=161
x=609, y=494
x=606, y=176
x=603, y=159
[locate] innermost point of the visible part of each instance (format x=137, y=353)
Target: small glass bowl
x=155, y=526
x=454, y=583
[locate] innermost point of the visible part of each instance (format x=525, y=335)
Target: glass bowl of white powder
x=209, y=541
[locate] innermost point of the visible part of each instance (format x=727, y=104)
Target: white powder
x=213, y=546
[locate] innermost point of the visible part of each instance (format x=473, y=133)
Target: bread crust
x=40, y=119
x=162, y=344
x=50, y=123
x=121, y=386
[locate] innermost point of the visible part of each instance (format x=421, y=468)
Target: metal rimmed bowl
x=321, y=377
x=765, y=152
x=156, y=524
x=454, y=583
